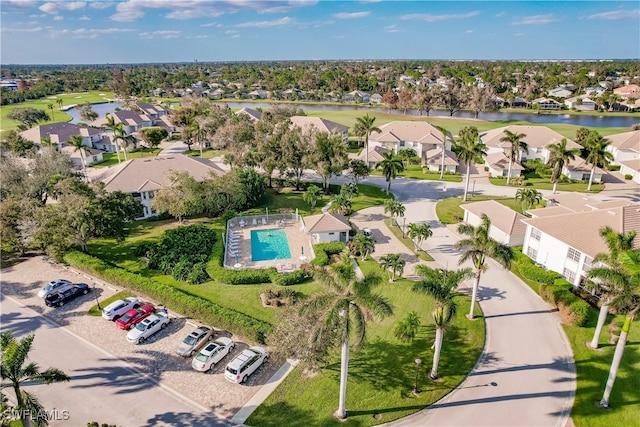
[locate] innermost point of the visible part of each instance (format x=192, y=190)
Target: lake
x=571, y=119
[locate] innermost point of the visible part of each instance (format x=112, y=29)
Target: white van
x=245, y=364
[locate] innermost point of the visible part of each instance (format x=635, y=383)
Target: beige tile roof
x=577, y=202
x=581, y=230
x=416, y=131
x=536, y=136
x=549, y=211
x=326, y=222
x=503, y=218
x=73, y=153
x=633, y=164
x=626, y=140
x=255, y=115
x=151, y=172
x=375, y=154
x=608, y=204
x=580, y=165
x=323, y=125
x=434, y=157
x=500, y=161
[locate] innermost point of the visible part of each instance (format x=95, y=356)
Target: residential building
x=132, y=121
x=559, y=92
x=506, y=224
x=143, y=177
x=321, y=125
x=376, y=98
x=520, y=103
x=89, y=156
x=547, y=104
x=9, y=85
x=578, y=169
x=61, y=133
x=434, y=160
x=357, y=96
x=326, y=227
x=624, y=146
x=581, y=103
x=375, y=155
x=254, y=115
x=631, y=167
x=419, y=135
x=628, y=91
x=498, y=164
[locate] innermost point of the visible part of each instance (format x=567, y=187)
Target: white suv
x=245, y=364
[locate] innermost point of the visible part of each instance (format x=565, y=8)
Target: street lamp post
x=95, y=294
x=416, y=391
x=404, y=222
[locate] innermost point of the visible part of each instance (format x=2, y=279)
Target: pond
x=102, y=109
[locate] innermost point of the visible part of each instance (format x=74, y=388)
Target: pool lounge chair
x=279, y=268
x=264, y=221
x=255, y=222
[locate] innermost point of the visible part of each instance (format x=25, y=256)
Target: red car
x=132, y=317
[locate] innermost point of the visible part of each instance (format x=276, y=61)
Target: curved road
x=525, y=375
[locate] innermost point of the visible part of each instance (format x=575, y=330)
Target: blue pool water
x=269, y=244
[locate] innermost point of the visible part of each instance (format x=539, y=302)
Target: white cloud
x=392, y=29
x=84, y=18
x=435, y=18
x=162, y=34
x=21, y=30
x=58, y=18
x=100, y=4
x=617, y=14
x=354, y=15
x=268, y=24
x=201, y=36
x=535, y=20
x=54, y=8
x=17, y=5
x=212, y=24
x=468, y=32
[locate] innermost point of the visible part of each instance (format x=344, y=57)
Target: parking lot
x=156, y=357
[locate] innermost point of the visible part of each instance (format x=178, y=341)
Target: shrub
x=533, y=272
x=325, y=250
x=579, y=312
x=198, y=274
x=613, y=168
x=292, y=278
x=183, y=302
x=628, y=176
x=321, y=259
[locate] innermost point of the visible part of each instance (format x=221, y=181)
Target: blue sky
x=135, y=31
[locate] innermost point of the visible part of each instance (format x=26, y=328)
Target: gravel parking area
x=155, y=358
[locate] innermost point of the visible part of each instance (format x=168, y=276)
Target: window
x=331, y=234
x=587, y=263
x=532, y=253
x=573, y=255
x=535, y=234
x=569, y=275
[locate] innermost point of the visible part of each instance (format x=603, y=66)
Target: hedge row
x=325, y=250
x=250, y=276
x=532, y=272
x=180, y=301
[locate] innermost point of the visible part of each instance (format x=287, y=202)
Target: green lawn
x=206, y=153
x=95, y=311
x=381, y=372
x=542, y=183
x=417, y=172
x=42, y=103
x=592, y=369
x=397, y=231
x=111, y=159
x=450, y=212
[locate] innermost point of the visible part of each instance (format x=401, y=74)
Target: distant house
x=356, y=96
x=559, y=92
x=506, y=224
x=520, y=103
x=143, y=177
x=254, y=115
x=418, y=135
x=434, y=160
x=547, y=104
x=376, y=98
x=327, y=227
x=375, y=155
x=61, y=133
x=624, y=146
x=132, y=121
x=581, y=103
x=631, y=167
x=258, y=94
x=154, y=112
x=580, y=170
x=90, y=155
x=321, y=125
x=628, y=91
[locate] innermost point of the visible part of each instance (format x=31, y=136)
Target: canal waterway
x=570, y=119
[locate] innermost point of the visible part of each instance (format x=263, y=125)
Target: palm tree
x=312, y=195
x=628, y=302
x=50, y=107
x=345, y=306
x=340, y=204
x=77, y=143
x=419, y=233
x=407, y=329
x=597, y=154
x=394, y=209
x=617, y=243
x=515, y=139
x=441, y=285
x=46, y=142
x=444, y=148
x=14, y=372
x=528, y=197
x=478, y=246
x=59, y=102
x=559, y=155
x=391, y=166
x=364, y=245
x=113, y=127
x=469, y=148
x=366, y=125
x=393, y=264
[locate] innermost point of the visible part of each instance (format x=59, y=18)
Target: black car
x=58, y=299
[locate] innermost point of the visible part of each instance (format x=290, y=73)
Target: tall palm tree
x=516, y=144
x=441, y=285
x=345, y=305
x=391, y=165
x=616, y=243
x=559, y=155
x=394, y=209
x=15, y=371
x=419, y=233
x=364, y=245
x=528, y=197
x=46, y=142
x=50, y=107
x=59, y=102
x=77, y=143
x=444, y=148
x=628, y=302
x=478, y=246
x=393, y=264
x=597, y=154
x=113, y=127
x=469, y=148
x=367, y=126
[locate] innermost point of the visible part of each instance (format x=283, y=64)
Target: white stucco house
x=506, y=224
x=143, y=177
x=581, y=103
x=326, y=227
x=375, y=155
x=434, y=160
x=498, y=165
x=419, y=135
x=567, y=242
x=631, y=167
x=90, y=156
x=321, y=125
x=624, y=146
x=61, y=133
x=578, y=169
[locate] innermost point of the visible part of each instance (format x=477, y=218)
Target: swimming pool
x=269, y=244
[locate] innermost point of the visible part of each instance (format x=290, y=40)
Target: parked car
x=133, y=317
x=245, y=364
x=57, y=285
x=212, y=353
x=196, y=339
x=59, y=298
x=119, y=307
x=147, y=327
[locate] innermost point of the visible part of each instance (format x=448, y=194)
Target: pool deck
x=297, y=239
